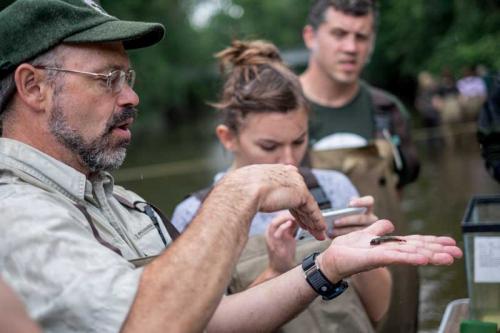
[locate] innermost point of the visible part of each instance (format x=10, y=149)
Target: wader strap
x=149, y=210
x=94, y=230
x=315, y=189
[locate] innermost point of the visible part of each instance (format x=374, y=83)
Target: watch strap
x=319, y=282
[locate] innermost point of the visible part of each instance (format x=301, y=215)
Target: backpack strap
x=384, y=102
x=309, y=178
x=315, y=189
x=149, y=210
x=392, y=123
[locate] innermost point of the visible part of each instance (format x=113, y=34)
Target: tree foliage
x=431, y=35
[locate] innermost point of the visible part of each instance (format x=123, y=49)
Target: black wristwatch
x=319, y=282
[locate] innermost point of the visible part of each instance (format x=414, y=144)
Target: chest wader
x=370, y=168
x=344, y=314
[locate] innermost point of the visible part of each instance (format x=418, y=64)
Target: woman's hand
x=281, y=243
x=352, y=223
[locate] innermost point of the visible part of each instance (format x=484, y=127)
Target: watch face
x=340, y=287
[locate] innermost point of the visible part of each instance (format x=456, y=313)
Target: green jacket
x=368, y=114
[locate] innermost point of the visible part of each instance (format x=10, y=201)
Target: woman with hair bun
x=264, y=120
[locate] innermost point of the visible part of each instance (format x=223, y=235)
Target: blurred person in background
x=489, y=130
x=472, y=92
x=447, y=104
x=426, y=92
x=447, y=99
x=358, y=129
x=425, y=102
x=265, y=121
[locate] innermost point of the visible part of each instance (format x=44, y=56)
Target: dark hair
x=351, y=7
x=256, y=81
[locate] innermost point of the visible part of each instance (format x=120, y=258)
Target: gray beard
x=99, y=154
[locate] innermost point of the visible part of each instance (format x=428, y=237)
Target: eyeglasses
x=115, y=79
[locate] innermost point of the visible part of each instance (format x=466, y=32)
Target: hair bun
x=248, y=53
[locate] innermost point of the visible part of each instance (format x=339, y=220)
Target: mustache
x=125, y=114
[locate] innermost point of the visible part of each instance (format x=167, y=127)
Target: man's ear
x=227, y=137
x=31, y=86
x=309, y=37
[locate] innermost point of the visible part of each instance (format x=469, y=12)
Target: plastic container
x=456, y=311
x=481, y=233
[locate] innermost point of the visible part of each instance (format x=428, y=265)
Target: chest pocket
x=149, y=210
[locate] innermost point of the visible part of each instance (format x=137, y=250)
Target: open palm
x=352, y=253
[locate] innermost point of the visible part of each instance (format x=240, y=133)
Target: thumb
x=380, y=227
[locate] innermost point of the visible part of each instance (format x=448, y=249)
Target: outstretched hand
x=352, y=253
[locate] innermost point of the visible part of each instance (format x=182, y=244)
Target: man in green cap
x=72, y=241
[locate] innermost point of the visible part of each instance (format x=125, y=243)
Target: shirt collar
x=49, y=170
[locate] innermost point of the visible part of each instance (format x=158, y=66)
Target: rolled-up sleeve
x=68, y=281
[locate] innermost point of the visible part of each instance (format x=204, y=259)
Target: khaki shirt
x=48, y=253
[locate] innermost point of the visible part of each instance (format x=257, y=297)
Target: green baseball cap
x=31, y=27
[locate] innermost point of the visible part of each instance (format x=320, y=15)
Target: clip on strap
x=95, y=232
x=148, y=210
x=150, y=213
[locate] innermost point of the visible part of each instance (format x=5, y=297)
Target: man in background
x=358, y=129
x=340, y=35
